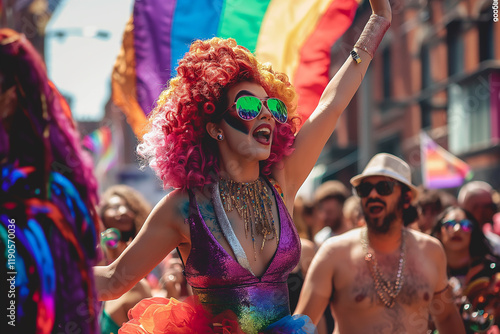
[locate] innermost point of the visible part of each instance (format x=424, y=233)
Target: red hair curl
x=177, y=145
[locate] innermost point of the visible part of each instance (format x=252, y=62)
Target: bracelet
x=372, y=34
x=356, y=57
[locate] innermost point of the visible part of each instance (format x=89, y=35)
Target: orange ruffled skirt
x=160, y=315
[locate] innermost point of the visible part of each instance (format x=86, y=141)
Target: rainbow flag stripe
x=440, y=168
x=296, y=37
x=100, y=143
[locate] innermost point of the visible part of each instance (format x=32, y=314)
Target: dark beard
x=387, y=221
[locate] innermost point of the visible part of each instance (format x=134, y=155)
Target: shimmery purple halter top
x=222, y=283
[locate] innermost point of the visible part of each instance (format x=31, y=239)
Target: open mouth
x=375, y=209
x=263, y=134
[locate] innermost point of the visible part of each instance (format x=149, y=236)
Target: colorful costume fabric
x=479, y=283
x=237, y=301
x=48, y=223
x=52, y=247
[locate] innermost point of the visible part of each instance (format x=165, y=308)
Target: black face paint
x=236, y=122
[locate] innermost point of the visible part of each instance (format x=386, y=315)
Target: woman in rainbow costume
x=48, y=220
x=223, y=134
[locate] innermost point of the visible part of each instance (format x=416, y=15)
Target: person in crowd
x=477, y=198
x=223, y=135
x=329, y=201
x=353, y=213
x=308, y=249
x=472, y=267
x=383, y=277
x=304, y=213
x=173, y=282
x=48, y=220
x=429, y=206
x=447, y=199
x=302, y=217
x=495, y=225
x=123, y=211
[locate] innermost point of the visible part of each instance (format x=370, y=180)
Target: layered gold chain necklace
x=387, y=290
x=254, y=205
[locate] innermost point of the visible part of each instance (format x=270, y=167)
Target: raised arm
x=317, y=129
x=162, y=232
x=317, y=290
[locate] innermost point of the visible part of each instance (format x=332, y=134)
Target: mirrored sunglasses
x=249, y=107
x=383, y=188
x=465, y=224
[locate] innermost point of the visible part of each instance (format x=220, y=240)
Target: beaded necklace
x=253, y=204
x=386, y=290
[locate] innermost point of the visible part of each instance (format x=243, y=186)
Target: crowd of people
x=221, y=252
x=341, y=279
x=462, y=276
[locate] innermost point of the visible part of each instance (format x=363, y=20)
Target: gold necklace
x=254, y=205
x=386, y=291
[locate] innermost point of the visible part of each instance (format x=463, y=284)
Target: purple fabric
x=222, y=283
x=152, y=42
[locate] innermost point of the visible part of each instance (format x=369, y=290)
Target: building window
x=455, y=46
x=390, y=144
x=387, y=77
x=470, y=113
x=485, y=29
x=425, y=105
x=425, y=113
x=425, y=62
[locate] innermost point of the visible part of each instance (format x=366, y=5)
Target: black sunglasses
x=383, y=188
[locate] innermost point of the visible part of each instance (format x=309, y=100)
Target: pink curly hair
x=177, y=145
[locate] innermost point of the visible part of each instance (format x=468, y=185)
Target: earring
x=220, y=137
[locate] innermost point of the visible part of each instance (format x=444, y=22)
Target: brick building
x=437, y=70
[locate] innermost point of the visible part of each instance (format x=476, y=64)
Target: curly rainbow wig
x=177, y=145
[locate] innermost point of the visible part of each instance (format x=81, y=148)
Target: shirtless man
x=384, y=278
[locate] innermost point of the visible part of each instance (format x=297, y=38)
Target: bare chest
x=357, y=296
x=360, y=289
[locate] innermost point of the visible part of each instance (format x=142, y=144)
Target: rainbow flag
x=440, y=168
x=295, y=36
x=100, y=143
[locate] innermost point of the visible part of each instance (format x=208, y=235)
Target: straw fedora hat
x=384, y=164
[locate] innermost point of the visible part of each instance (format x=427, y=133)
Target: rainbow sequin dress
x=228, y=297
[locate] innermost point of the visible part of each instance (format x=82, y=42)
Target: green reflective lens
x=249, y=107
x=277, y=109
